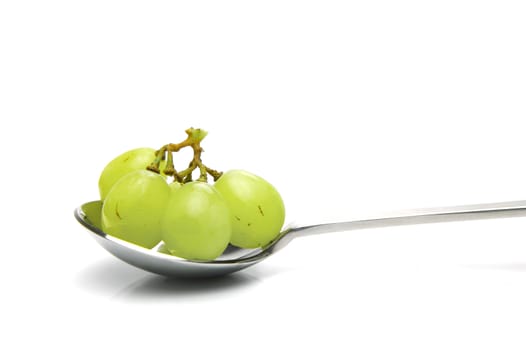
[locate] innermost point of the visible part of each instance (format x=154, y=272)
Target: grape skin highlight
x=196, y=224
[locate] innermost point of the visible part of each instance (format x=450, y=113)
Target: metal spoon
x=235, y=259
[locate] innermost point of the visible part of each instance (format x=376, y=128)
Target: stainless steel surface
x=235, y=259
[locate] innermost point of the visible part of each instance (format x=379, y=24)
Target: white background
x=347, y=107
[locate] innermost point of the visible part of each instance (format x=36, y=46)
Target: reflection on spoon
x=235, y=259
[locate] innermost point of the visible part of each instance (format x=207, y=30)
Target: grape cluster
x=194, y=219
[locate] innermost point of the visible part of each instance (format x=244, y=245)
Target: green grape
x=134, y=207
x=196, y=223
x=129, y=161
x=174, y=186
x=257, y=211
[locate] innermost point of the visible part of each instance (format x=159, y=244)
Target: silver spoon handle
x=423, y=216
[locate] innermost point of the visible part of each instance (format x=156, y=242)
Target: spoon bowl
x=235, y=259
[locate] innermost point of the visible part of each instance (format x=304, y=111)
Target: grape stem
x=193, y=140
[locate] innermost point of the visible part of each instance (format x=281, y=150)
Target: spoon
x=235, y=259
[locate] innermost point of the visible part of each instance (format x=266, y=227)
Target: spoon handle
x=423, y=216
